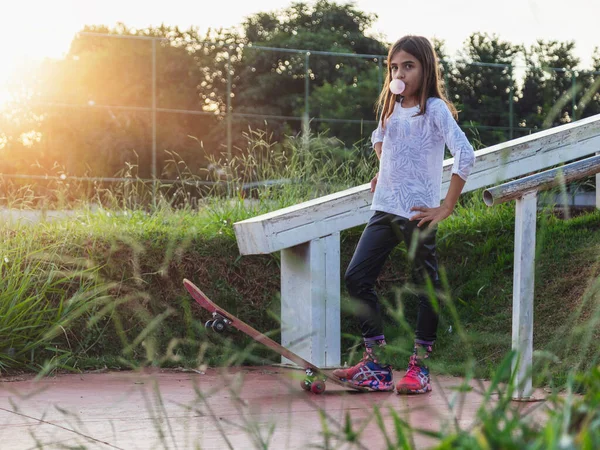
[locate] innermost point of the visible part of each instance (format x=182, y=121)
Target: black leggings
x=383, y=232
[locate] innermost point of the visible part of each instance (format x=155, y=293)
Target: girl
x=409, y=142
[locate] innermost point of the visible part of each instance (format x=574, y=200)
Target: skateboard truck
x=217, y=323
x=312, y=383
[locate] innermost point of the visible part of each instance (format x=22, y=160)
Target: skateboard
x=315, y=378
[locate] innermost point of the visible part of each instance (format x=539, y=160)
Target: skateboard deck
x=221, y=319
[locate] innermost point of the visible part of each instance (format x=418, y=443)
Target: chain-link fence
x=123, y=106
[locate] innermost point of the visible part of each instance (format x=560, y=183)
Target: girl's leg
x=417, y=379
x=376, y=243
x=425, y=265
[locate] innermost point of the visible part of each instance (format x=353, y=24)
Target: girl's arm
x=377, y=148
x=377, y=137
x=457, y=142
x=377, y=140
x=464, y=158
x=456, y=186
x=436, y=215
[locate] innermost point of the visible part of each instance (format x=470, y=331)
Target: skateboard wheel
x=306, y=384
x=208, y=324
x=317, y=387
x=218, y=325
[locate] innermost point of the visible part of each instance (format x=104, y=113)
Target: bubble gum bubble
x=397, y=86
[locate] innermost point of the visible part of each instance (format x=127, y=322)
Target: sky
x=37, y=29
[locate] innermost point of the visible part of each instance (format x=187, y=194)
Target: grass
x=39, y=291
x=133, y=262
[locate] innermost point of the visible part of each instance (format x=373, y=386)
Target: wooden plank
x=300, y=223
x=322, y=216
x=523, y=285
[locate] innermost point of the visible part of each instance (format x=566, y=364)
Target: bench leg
x=310, y=300
x=523, y=286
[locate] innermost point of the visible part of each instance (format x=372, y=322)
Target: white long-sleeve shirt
x=412, y=157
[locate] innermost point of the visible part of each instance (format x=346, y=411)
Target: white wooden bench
x=308, y=234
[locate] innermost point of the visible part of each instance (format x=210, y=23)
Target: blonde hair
x=432, y=85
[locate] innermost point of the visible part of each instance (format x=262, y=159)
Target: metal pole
x=511, y=104
x=573, y=94
x=598, y=187
x=305, y=120
x=228, y=107
x=154, y=177
x=542, y=181
x=380, y=73
x=446, y=80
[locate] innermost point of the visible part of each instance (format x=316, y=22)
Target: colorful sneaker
x=416, y=380
x=368, y=373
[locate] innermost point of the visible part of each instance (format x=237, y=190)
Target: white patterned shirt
x=412, y=157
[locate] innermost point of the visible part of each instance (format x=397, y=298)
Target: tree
x=339, y=100
x=588, y=103
x=273, y=82
x=548, y=86
x=481, y=84
x=446, y=65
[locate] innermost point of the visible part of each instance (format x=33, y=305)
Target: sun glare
x=4, y=98
x=4, y=90
x=20, y=55
x=10, y=71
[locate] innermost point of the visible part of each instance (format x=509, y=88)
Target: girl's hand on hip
x=374, y=182
x=431, y=215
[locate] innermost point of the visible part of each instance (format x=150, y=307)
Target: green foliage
x=41, y=293
x=343, y=100
x=548, y=86
x=272, y=82
x=482, y=92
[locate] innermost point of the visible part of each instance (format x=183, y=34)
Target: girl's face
x=407, y=68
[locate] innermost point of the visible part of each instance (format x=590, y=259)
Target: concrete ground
x=243, y=408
